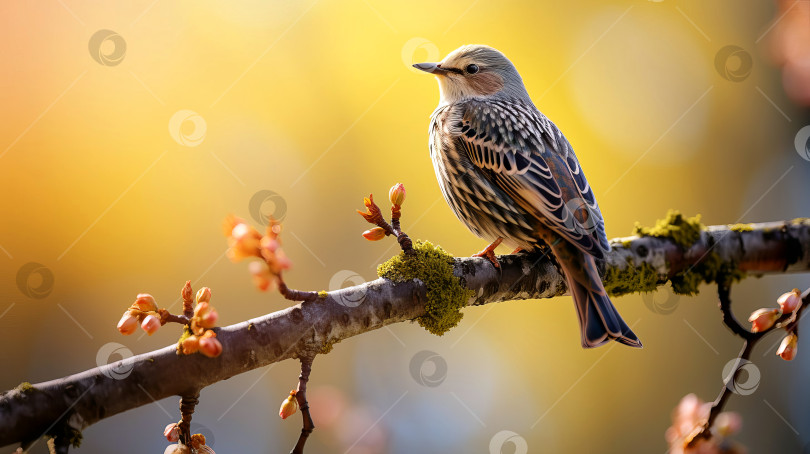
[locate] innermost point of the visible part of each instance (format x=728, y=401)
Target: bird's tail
x=599, y=321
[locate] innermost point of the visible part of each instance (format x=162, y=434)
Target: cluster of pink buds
x=198, y=320
x=245, y=241
x=289, y=406
x=687, y=422
x=765, y=319
x=143, y=312
x=172, y=434
x=202, y=338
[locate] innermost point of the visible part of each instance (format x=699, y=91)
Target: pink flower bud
x=790, y=301
x=397, y=194
x=209, y=319
x=209, y=345
x=128, y=324
x=172, y=432
x=283, y=262
x=728, y=423
x=762, y=319
x=190, y=345
x=145, y=302
x=177, y=449
x=204, y=295
x=244, y=241
x=150, y=324
x=375, y=234
x=261, y=275
x=269, y=244
x=787, y=350
x=289, y=406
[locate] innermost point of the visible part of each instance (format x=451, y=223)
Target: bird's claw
x=489, y=253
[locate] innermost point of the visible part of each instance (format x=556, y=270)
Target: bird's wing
x=525, y=154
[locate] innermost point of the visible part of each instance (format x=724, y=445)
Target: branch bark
x=312, y=327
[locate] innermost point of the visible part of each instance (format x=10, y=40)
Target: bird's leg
x=517, y=250
x=489, y=252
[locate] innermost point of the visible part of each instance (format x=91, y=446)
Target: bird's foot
x=489, y=252
x=517, y=250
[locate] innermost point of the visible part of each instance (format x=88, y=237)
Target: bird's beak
x=432, y=68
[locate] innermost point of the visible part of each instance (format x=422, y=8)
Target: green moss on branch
x=434, y=267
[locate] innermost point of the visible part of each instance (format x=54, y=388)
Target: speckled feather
x=489, y=154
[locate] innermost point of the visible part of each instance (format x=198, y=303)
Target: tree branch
x=312, y=327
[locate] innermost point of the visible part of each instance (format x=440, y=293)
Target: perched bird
x=511, y=176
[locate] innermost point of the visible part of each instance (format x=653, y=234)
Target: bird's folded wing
x=525, y=155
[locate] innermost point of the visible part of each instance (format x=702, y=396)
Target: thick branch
x=309, y=328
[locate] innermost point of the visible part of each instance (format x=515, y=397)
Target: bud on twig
x=289, y=406
x=787, y=350
x=763, y=319
x=790, y=301
x=375, y=234
x=397, y=194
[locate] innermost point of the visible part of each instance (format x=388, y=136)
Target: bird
x=510, y=175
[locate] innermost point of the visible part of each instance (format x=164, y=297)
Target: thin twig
x=301, y=396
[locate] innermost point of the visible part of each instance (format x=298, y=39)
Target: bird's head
x=476, y=71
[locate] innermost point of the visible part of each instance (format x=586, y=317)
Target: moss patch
x=741, y=228
x=683, y=231
x=184, y=336
x=25, y=388
x=434, y=267
x=709, y=269
x=328, y=345
x=631, y=279
x=323, y=294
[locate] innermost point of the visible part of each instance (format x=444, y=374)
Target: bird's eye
x=472, y=69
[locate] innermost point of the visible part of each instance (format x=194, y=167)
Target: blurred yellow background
x=129, y=131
